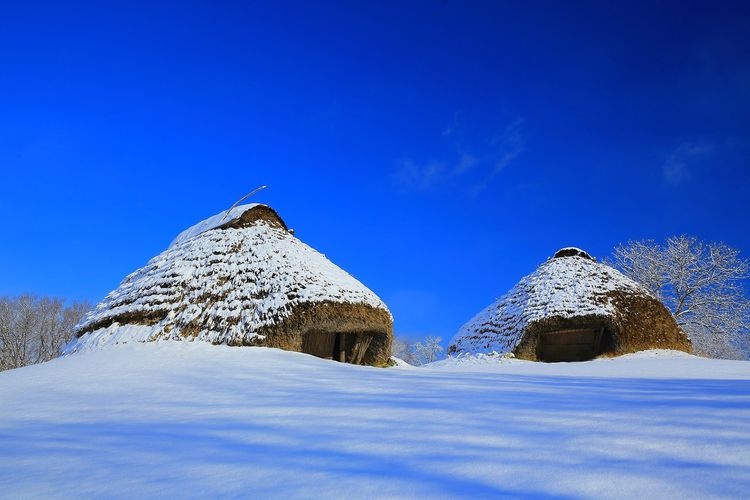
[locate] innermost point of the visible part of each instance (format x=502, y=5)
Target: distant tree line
x=420, y=352
x=34, y=329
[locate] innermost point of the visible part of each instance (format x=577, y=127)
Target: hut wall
x=568, y=339
x=364, y=333
x=640, y=322
x=645, y=323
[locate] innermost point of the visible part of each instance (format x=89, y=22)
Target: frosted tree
x=417, y=353
x=404, y=349
x=701, y=283
x=428, y=350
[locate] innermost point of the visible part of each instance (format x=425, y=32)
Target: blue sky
x=438, y=150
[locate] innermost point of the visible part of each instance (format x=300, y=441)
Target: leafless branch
x=701, y=283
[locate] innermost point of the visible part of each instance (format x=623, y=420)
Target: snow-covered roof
x=564, y=286
x=213, y=222
x=223, y=286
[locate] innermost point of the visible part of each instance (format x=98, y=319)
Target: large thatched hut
x=572, y=308
x=241, y=278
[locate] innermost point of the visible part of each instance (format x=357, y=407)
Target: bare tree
x=404, y=350
x=428, y=350
x=33, y=329
x=417, y=353
x=701, y=283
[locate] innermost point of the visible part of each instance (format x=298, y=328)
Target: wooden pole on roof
x=248, y=195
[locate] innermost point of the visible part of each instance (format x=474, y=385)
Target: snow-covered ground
x=189, y=420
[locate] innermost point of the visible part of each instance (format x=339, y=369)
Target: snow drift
x=193, y=420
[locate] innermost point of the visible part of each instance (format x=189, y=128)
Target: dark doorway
x=326, y=345
x=338, y=346
x=570, y=344
x=320, y=344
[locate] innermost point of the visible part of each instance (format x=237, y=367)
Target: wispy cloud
x=678, y=162
x=466, y=162
x=506, y=146
x=474, y=167
x=420, y=177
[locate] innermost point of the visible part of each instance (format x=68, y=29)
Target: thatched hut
x=241, y=278
x=572, y=308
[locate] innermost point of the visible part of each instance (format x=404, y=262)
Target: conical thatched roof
x=571, y=299
x=241, y=278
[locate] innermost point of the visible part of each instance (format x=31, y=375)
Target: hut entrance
x=339, y=346
x=570, y=344
x=324, y=345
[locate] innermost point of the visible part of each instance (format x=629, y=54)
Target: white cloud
x=677, y=165
x=465, y=163
x=420, y=177
x=507, y=146
x=476, y=168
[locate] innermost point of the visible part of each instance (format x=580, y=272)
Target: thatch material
x=572, y=252
x=241, y=280
x=572, y=308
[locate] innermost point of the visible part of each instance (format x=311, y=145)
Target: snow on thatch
x=240, y=279
x=569, y=292
x=226, y=217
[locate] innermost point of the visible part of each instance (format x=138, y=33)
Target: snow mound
x=473, y=359
x=655, y=353
x=564, y=287
x=400, y=363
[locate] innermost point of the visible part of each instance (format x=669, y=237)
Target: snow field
x=194, y=420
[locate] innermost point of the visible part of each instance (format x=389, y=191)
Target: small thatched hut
x=241, y=278
x=572, y=308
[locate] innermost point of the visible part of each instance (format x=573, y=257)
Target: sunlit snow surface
x=187, y=420
x=562, y=287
